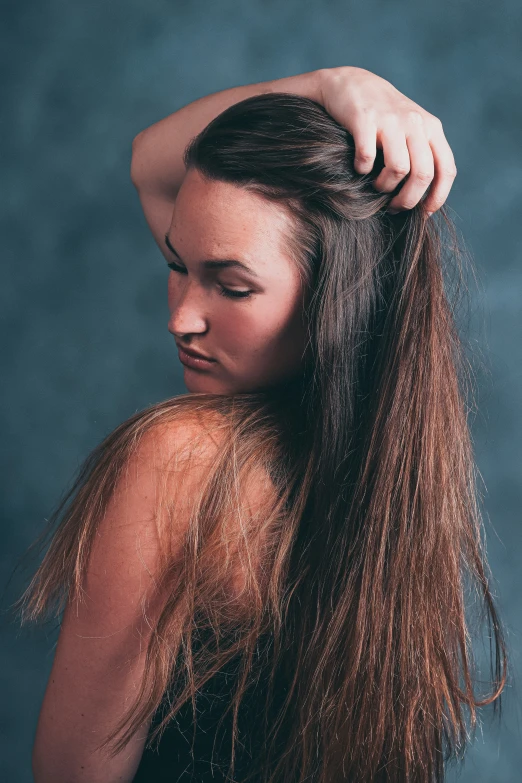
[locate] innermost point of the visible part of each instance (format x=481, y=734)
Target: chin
x=203, y=384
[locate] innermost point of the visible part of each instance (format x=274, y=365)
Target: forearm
x=157, y=152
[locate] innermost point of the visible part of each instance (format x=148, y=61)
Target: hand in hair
x=412, y=139
x=369, y=107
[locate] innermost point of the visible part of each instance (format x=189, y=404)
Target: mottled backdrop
x=83, y=287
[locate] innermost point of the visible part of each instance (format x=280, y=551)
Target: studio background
x=83, y=286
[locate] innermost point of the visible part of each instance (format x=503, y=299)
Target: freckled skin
x=258, y=341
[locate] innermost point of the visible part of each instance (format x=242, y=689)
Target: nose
x=186, y=310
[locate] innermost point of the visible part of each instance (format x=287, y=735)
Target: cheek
x=260, y=329
x=236, y=326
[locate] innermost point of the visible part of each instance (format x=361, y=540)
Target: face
x=249, y=319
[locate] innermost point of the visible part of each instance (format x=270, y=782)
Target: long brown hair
x=374, y=537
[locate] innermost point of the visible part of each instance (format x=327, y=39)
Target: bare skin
x=242, y=334
x=256, y=340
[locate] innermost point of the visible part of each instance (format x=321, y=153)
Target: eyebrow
x=215, y=263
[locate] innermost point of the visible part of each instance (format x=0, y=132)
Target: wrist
x=309, y=84
x=330, y=77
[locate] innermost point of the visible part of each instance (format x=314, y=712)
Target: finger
x=365, y=138
x=445, y=171
x=396, y=160
x=421, y=173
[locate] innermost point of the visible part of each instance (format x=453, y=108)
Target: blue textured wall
x=83, y=294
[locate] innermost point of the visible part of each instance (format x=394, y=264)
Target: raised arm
x=372, y=109
x=157, y=165
x=157, y=168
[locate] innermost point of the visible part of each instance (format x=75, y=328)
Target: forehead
x=214, y=218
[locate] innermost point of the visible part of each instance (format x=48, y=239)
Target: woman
x=267, y=575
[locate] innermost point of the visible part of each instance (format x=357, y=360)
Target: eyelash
x=227, y=292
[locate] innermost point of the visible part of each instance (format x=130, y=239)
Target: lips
x=193, y=353
x=192, y=359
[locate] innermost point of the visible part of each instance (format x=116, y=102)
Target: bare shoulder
x=195, y=433
x=164, y=468
x=143, y=528
x=144, y=524
x=100, y=657
x=189, y=448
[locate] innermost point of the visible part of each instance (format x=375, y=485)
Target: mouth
x=195, y=361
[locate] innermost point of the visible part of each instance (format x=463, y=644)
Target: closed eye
x=224, y=291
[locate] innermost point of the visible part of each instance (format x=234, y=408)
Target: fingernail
x=430, y=214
